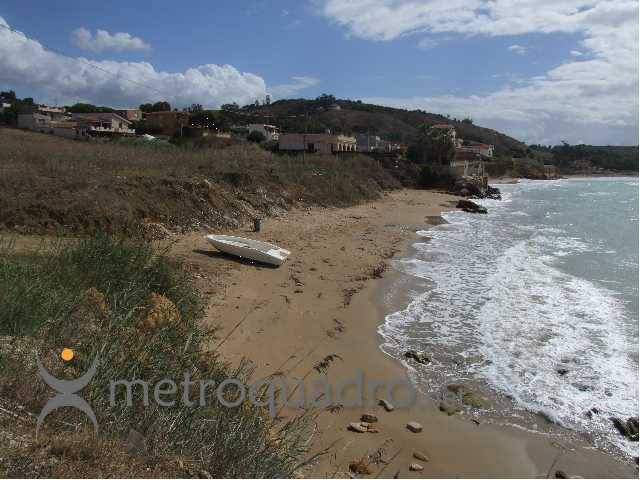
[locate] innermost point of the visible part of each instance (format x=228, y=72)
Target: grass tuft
x=138, y=312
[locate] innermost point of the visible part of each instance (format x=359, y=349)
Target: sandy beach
x=316, y=317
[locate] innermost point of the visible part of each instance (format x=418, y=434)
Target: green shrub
x=436, y=176
x=138, y=313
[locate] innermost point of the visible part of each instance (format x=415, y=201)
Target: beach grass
x=138, y=313
x=54, y=185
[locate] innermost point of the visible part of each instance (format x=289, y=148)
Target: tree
x=256, y=137
x=230, y=107
x=433, y=146
x=88, y=108
x=195, y=108
x=467, y=121
x=9, y=95
x=326, y=99
x=163, y=106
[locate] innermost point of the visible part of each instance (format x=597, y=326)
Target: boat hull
x=250, y=249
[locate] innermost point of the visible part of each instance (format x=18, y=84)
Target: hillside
x=570, y=158
x=51, y=184
x=392, y=124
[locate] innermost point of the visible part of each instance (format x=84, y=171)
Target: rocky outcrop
x=470, y=187
x=628, y=429
x=419, y=357
x=471, y=207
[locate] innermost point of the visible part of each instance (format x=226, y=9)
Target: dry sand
x=326, y=300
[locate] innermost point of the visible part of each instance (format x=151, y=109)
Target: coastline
x=329, y=300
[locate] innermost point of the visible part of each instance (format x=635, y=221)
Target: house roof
x=442, y=125
x=167, y=112
x=100, y=116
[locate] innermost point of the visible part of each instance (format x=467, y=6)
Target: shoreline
x=324, y=303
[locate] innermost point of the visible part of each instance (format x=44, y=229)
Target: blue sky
x=524, y=67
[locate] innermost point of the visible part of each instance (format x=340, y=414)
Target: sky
x=543, y=71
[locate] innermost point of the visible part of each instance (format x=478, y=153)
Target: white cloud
x=103, y=40
x=518, y=49
x=289, y=89
x=427, y=43
x=26, y=65
x=597, y=95
x=576, y=53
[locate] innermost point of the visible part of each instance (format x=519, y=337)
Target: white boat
x=247, y=248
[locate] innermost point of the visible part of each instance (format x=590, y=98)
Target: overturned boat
x=251, y=249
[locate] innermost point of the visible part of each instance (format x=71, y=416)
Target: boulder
x=628, y=429
x=419, y=357
x=448, y=408
x=470, y=207
x=369, y=418
x=493, y=193
x=387, y=405
x=415, y=427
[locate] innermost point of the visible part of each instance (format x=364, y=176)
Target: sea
x=535, y=303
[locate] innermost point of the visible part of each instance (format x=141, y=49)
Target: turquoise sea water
x=546, y=282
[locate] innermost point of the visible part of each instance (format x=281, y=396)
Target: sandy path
x=324, y=302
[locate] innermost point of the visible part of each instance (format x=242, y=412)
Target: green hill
x=393, y=124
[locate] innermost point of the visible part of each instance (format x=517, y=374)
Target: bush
x=256, y=137
x=436, y=176
x=138, y=313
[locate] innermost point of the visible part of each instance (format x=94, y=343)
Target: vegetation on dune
x=138, y=313
x=50, y=184
x=571, y=157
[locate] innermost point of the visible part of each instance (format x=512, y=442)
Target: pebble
x=369, y=418
x=420, y=456
x=415, y=427
x=386, y=405
x=357, y=427
x=416, y=467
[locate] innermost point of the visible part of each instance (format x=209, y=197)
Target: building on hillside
x=167, y=123
x=4, y=105
x=103, y=124
x=448, y=129
x=369, y=143
x=70, y=129
x=36, y=122
x=373, y=143
x=334, y=106
x=482, y=149
x=131, y=114
x=54, y=113
x=270, y=132
x=316, y=143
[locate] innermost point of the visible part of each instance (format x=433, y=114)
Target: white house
x=270, y=132
x=316, y=143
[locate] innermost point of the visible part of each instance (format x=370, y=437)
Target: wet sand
x=316, y=318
